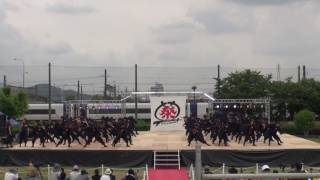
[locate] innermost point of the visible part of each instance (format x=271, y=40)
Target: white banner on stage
x=167, y=113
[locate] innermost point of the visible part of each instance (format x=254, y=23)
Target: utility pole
x=299, y=78
x=278, y=72
x=136, y=90
x=78, y=90
x=118, y=89
x=105, y=84
x=81, y=94
x=114, y=90
x=81, y=105
x=49, y=93
x=303, y=72
x=78, y=99
x=4, y=81
x=126, y=91
x=62, y=93
x=218, y=80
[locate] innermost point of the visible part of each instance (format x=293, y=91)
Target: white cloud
x=175, y=33
x=70, y=9
x=290, y=33
x=206, y=33
x=264, y=2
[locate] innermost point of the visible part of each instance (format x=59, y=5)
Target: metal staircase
x=166, y=158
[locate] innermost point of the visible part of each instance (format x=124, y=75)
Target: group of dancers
x=83, y=132
x=220, y=126
x=227, y=126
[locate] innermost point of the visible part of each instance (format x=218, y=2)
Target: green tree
x=282, y=98
x=304, y=121
x=7, y=105
x=295, y=96
x=13, y=105
x=287, y=96
x=244, y=84
x=21, y=102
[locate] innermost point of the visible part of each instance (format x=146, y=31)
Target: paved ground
x=168, y=174
x=177, y=140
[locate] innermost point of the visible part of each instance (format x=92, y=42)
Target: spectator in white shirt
x=106, y=175
x=11, y=175
x=55, y=173
x=74, y=173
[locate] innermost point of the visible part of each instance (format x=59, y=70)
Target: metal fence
x=254, y=172
x=262, y=176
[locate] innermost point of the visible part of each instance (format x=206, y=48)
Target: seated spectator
x=298, y=169
x=11, y=174
x=112, y=177
x=55, y=173
x=74, y=173
x=106, y=175
x=83, y=175
x=96, y=175
x=292, y=168
x=232, y=170
x=282, y=167
x=63, y=175
x=265, y=169
x=207, y=170
x=275, y=172
x=33, y=173
x=130, y=175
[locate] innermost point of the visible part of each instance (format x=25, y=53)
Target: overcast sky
x=236, y=33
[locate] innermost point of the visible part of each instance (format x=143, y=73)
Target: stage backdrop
x=167, y=113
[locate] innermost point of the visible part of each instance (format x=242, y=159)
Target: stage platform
x=293, y=150
x=177, y=141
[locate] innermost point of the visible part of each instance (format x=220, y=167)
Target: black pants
x=9, y=140
x=250, y=137
x=64, y=138
x=42, y=140
x=223, y=137
x=23, y=138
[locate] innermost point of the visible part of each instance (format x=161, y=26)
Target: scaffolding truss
x=211, y=101
x=265, y=101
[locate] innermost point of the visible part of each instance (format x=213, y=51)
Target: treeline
x=287, y=97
